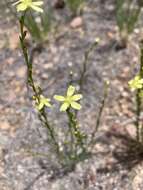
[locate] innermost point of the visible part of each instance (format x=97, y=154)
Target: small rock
x=48, y=65
x=14, y=41
x=21, y=72
x=137, y=31
x=44, y=76
x=131, y=129
x=110, y=35
x=3, y=140
x=5, y=125
x=76, y=22
x=10, y=61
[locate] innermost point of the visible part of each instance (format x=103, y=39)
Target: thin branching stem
x=85, y=63
x=138, y=112
x=98, y=121
x=75, y=132
x=30, y=81
x=139, y=99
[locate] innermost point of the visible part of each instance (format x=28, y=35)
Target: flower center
x=68, y=99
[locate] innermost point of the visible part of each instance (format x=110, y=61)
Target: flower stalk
x=37, y=92
x=76, y=135
x=139, y=98
x=137, y=84
x=85, y=62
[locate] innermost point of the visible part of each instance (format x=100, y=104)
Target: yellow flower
x=69, y=100
x=136, y=83
x=23, y=5
x=42, y=102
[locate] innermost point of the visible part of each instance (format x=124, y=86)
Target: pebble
x=5, y=125
x=76, y=22
x=21, y=72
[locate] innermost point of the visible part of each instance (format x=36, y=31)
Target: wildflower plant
x=74, y=145
x=76, y=136
x=136, y=84
x=40, y=101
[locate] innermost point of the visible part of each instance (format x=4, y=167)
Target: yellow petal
x=71, y=90
x=38, y=3
x=16, y=3
x=59, y=98
x=36, y=8
x=48, y=104
x=75, y=105
x=64, y=106
x=76, y=97
x=40, y=106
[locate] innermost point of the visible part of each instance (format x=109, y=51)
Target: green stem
x=139, y=99
x=75, y=132
x=138, y=111
x=106, y=87
x=42, y=115
x=71, y=132
x=85, y=62
x=142, y=133
x=30, y=81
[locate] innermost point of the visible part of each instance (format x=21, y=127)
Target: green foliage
x=75, y=6
x=127, y=14
x=39, y=26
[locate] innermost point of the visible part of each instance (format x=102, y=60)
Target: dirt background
x=112, y=166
